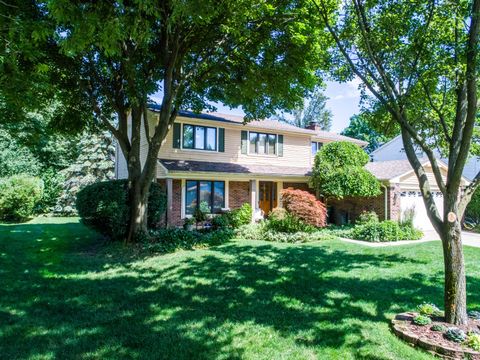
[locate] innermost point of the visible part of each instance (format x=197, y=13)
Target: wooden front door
x=267, y=196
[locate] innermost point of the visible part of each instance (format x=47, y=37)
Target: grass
x=62, y=295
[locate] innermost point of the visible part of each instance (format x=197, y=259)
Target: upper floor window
x=199, y=137
x=316, y=146
x=263, y=144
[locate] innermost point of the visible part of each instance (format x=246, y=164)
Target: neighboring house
x=391, y=166
x=393, y=150
x=221, y=162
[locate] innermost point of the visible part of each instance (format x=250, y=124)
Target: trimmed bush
x=387, y=230
x=439, y=328
x=18, y=196
x=241, y=216
x=305, y=207
x=103, y=206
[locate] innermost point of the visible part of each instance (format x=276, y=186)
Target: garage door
x=413, y=200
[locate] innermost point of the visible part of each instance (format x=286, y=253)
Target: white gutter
x=386, y=200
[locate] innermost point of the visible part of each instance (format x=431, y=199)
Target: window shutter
x=244, y=141
x=221, y=139
x=176, y=135
x=280, y=145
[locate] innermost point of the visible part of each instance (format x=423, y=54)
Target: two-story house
x=220, y=162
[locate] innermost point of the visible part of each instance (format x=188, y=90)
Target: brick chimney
x=313, y=125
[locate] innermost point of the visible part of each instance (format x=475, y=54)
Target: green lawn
x=64, y=296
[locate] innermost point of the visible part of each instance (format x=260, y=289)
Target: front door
x=267, y=196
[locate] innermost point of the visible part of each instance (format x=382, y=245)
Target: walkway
x=468, y=238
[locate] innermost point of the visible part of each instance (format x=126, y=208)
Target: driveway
x=468, y=238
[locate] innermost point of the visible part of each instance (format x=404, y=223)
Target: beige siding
x=296, y=148
x=410, y=180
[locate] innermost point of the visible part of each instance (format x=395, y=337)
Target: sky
x=343, y=102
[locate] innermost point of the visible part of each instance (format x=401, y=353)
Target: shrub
x=387, y=230
x=305, y=207
x=338, y=172
x=261, y=231
x=157, y=205
x=18, y=196
x=474, y=314
x=103, y=206
x=221, y=221
x=367, y=217
x=278, y=214
x=439, y=327
x=297, y=237
x=172, y=239
x=52, y=187
x=407, y=217
x=422, y=320
x=251, y=231
x=242, y=215
x=428, y=309
x=473, y=341
x=288, y=223
x=455, y=334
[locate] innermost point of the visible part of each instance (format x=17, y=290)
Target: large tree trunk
x=455, y=294
x=138, y=201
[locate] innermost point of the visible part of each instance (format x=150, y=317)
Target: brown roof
x=386, y=170
x=263, y=124
x=203, y=166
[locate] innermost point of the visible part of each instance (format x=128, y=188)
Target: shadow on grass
x=60, y=299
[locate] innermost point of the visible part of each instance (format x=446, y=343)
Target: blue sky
x=343, y=102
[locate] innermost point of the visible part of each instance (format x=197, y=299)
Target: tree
x=360, y=129
x=249, y=53
x=418, y=61
x=312, y=109
x=339, y=172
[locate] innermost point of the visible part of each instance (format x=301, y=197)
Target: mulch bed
x=434, y=341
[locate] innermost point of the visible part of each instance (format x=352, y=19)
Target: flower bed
x=437, y=336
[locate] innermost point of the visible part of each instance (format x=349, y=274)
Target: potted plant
x=188, y=224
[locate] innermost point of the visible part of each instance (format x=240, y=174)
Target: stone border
x=400, y=326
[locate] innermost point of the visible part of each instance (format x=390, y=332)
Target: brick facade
x=348, y=209
x=238, y=194
x=298, y=186
x=176, y=204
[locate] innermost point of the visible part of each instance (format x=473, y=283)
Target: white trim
x=262, y=155
x=208, y=175
x=182, y=206
x=227, y=194
x=199, y=150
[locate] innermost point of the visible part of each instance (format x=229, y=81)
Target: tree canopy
x=312, y=109
x=103, y=60
x=359, y=128
x=418, y=62
x=339, y=172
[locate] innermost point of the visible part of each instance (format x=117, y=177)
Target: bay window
x=209, y=196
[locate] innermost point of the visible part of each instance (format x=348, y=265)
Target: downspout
x=386, y=200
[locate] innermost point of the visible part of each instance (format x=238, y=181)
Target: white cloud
x=350, y=90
